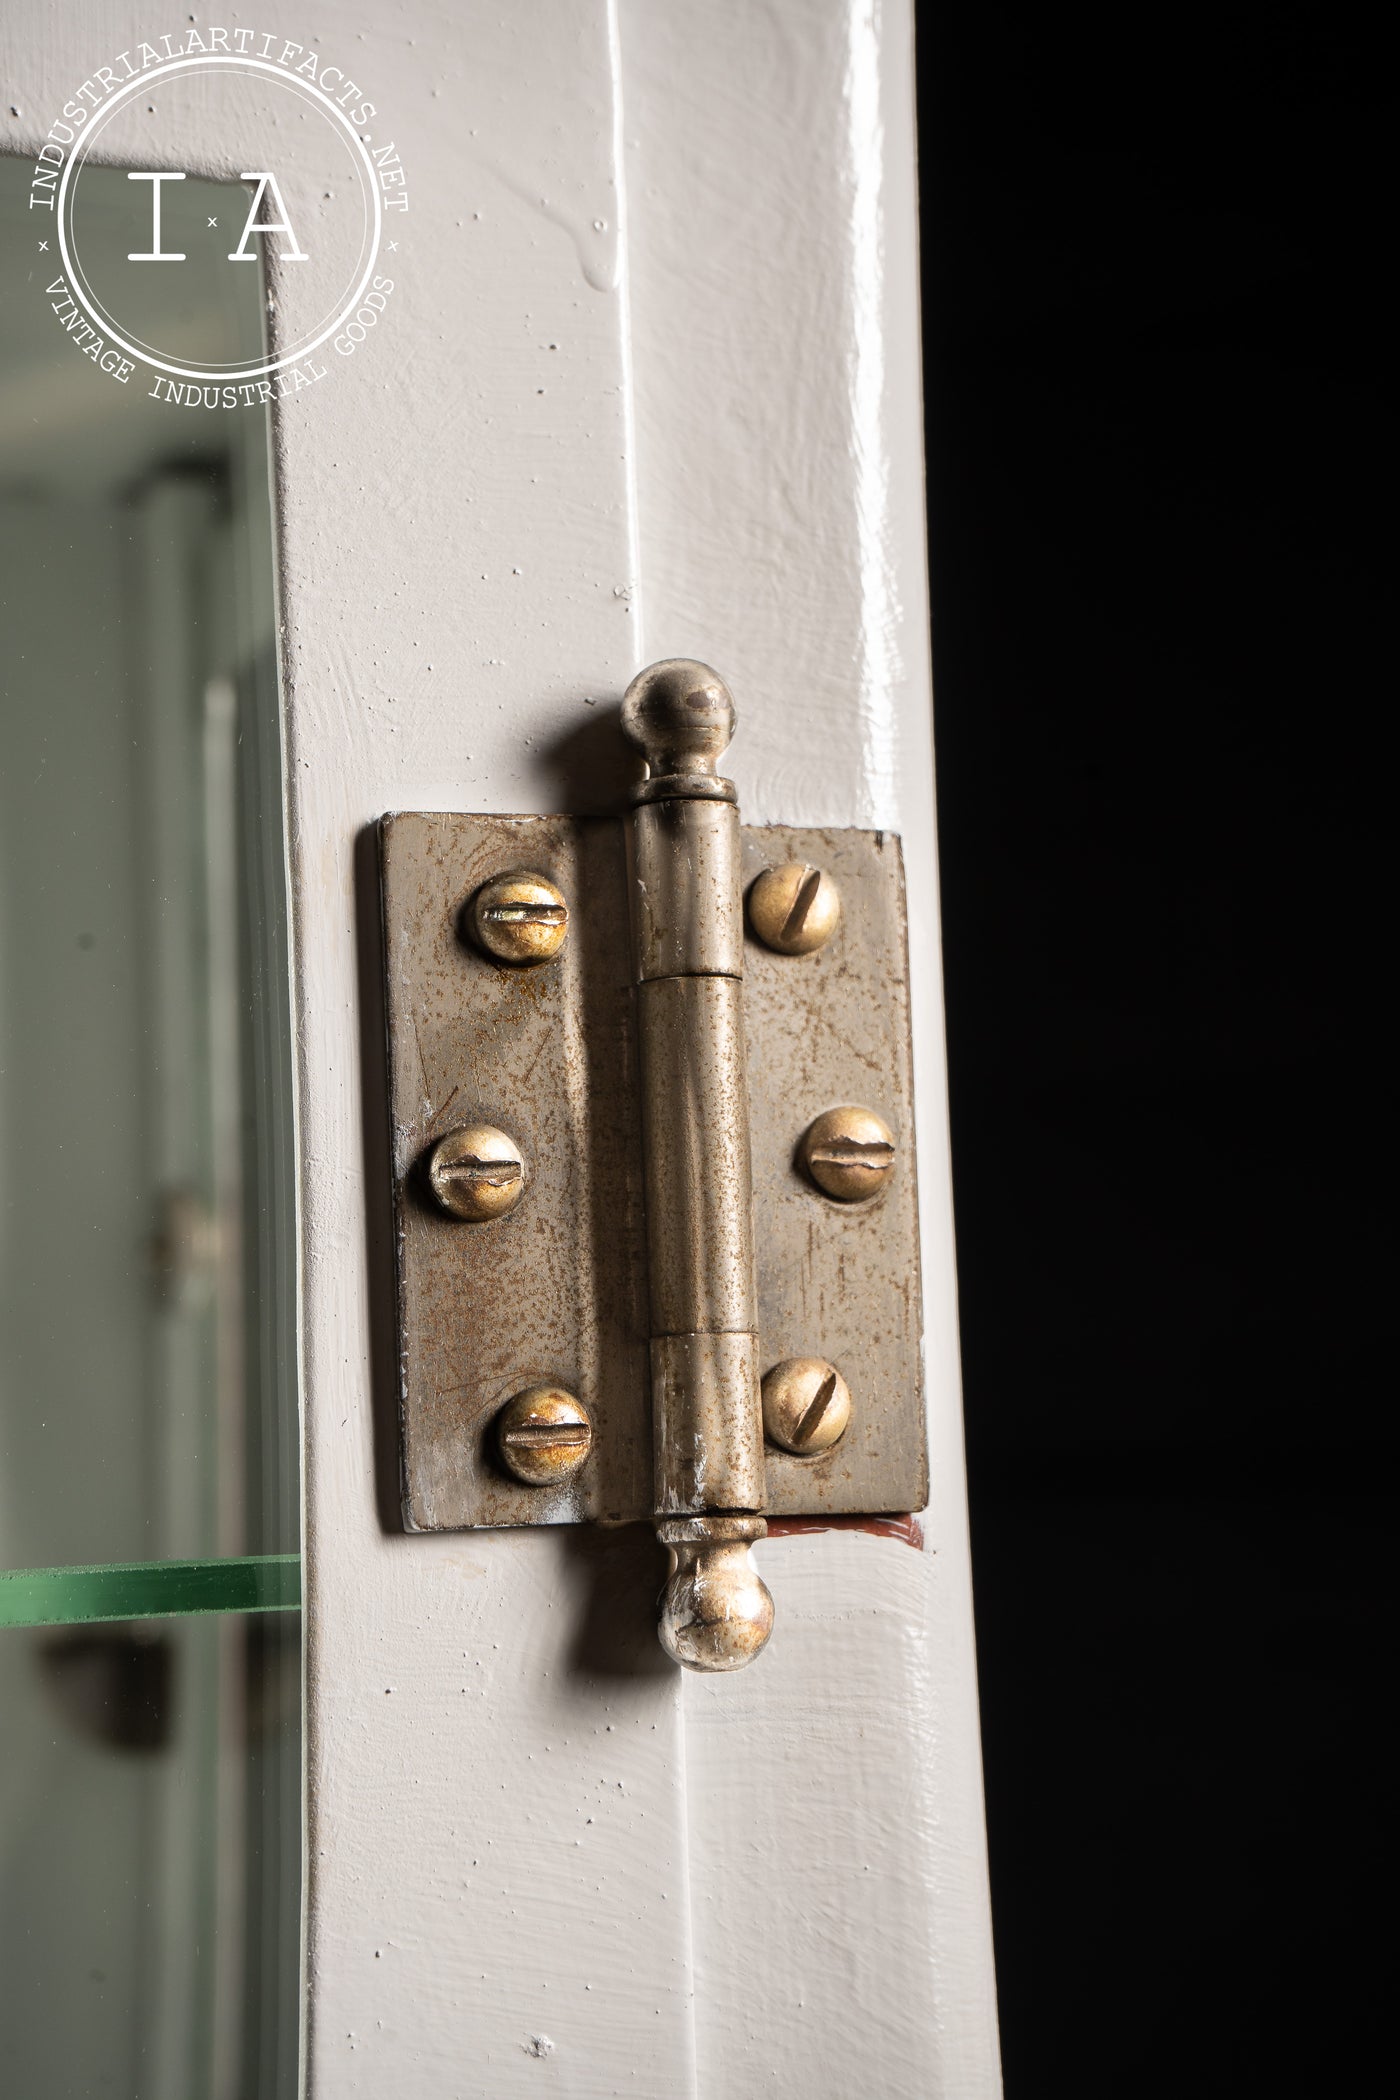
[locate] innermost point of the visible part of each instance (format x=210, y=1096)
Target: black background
x=1158, y=367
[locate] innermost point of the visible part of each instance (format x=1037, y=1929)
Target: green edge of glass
x=152, y=1589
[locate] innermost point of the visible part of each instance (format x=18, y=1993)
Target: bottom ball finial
x=716, y=1611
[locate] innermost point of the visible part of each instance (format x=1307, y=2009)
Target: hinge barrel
x=688, y=945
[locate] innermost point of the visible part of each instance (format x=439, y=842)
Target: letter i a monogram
x=242, y=253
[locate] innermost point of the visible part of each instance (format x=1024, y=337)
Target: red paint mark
x=890, y=1527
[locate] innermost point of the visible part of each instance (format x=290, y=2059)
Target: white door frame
x=648, y=385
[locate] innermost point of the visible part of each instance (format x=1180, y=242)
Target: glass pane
x=149, y=1765
x=147, y=1404
x=150, y=1866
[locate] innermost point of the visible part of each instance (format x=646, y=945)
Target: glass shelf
x=159, y=1589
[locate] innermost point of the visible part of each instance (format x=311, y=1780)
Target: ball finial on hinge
x=682, y=715
x=716, y=1610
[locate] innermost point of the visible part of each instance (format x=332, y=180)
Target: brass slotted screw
x=476, y=1173
x=849, y=1153
x=520, y=918
x=794, y=909
x=806, y=1405
x=544, y=1435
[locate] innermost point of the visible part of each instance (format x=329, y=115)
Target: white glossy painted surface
x=488, y=523
x=775, y=346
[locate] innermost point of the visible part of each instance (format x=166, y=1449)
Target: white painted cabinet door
x=647, y=385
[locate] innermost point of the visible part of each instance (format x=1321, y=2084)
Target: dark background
x=1157, y=296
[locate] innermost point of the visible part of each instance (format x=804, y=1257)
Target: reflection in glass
x=149, y=1768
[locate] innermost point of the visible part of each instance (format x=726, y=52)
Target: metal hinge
x=653, y=1169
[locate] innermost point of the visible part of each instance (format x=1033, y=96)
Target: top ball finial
x=682, y=715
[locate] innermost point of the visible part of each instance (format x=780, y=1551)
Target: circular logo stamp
x=154, y=269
